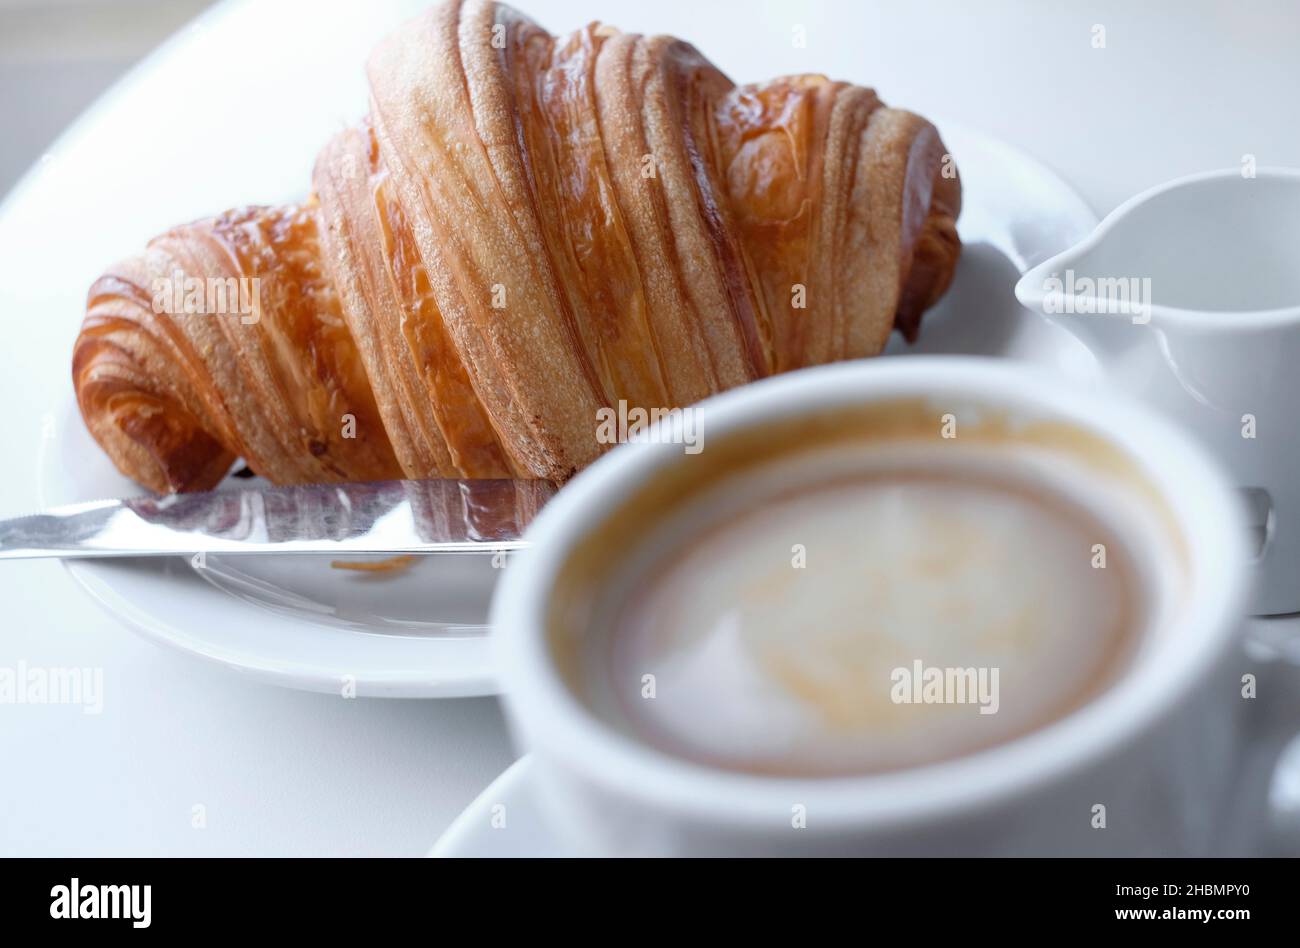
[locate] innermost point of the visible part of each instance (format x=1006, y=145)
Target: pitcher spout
x=1108, y=314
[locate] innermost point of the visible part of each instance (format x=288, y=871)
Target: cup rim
x=551, y=719
x=1031, y=294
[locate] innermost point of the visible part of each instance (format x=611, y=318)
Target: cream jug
x=1189, y=296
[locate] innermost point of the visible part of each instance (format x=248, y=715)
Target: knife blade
x=433, y=516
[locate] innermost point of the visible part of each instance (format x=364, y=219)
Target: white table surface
x=231, y=112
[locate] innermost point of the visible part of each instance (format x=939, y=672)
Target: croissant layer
x=525, y=230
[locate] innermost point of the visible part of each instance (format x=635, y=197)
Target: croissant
x=525, y=230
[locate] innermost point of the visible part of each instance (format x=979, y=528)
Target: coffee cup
x=1133, y=757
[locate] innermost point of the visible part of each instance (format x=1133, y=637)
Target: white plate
x=293, y=621
x=301, y=624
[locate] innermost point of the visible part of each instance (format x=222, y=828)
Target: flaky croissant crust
x=525, y=230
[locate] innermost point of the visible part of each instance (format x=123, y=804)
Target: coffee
x=856, y=612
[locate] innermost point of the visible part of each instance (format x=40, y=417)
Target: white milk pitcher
x=1189, y=296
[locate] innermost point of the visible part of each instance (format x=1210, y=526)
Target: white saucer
x=505, y=820
x=301, y=624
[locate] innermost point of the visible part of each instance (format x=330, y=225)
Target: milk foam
x=890, y=610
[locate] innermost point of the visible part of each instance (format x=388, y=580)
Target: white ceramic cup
x=1154, y=750
x=1189, y=295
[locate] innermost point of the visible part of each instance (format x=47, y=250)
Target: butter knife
x=433, y=516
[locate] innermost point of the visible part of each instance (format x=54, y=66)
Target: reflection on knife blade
x=384, y=517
